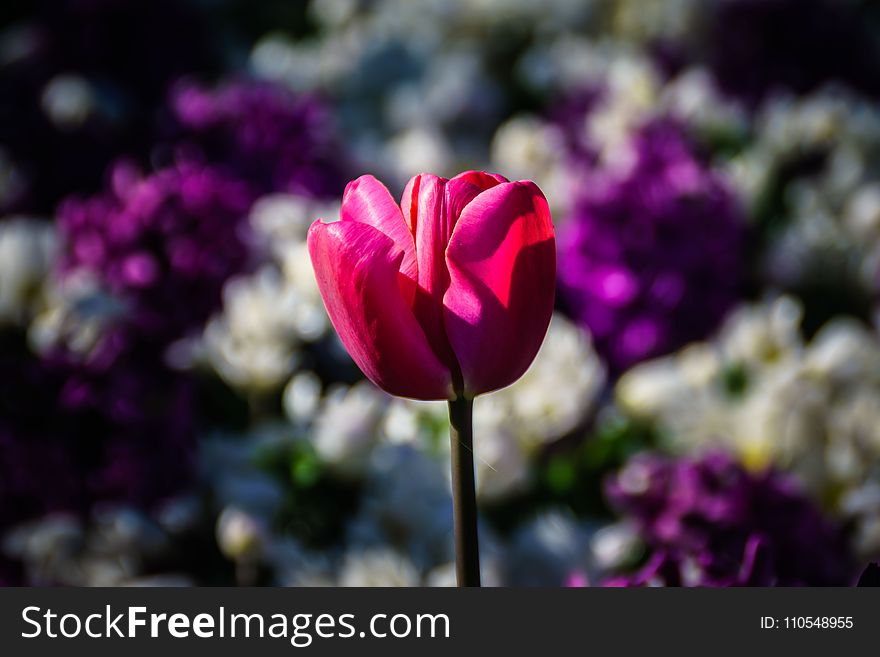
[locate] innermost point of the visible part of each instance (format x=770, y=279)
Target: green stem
x=464, y=496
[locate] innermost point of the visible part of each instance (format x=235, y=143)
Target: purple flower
x=651, y=257
x=276, y=140
x=164, y=243
x=709, y=522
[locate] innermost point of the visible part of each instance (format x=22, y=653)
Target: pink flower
x=447, y=295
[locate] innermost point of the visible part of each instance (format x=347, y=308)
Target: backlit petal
x=368, y=201
x=357, y=269
x=502, y=266
x=465, y=187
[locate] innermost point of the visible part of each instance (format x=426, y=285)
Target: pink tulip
x=448, y=294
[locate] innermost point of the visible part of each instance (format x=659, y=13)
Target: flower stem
x=464, y=497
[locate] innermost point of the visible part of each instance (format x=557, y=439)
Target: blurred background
x=176, y=409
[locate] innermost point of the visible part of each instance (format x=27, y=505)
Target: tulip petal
x=357, y=269
x=368, y=201
x=502, y=266
x=424, y=201
x=465, y=187
x=409, y=203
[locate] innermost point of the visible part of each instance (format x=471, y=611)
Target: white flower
x=862, y=504
x=302, y=397
x=502, y=466
x=763, y=334
x=346, y=429
x=526, y=147
x=110, y=549
x=831, y=221
x=454, y=87
x=333, y=12
x=538, y=405
x=693, y=97
x=419, y=149
x=76, y=313
x=68, y=101
x=240, y=535
x=41, y=539
x=443, y=576
x=267, y=316
x=812, y=409
x=48, y=547
x=283, y=219
x=253, y=343
x=536, y=409
x=27, y=250
x=615, y=545
x=414, y=421
x=650, y=21
x=862, y=214
x=378, y=568
x=692, y=394
x=649, y=389
x=281, y=223
x=632, y=89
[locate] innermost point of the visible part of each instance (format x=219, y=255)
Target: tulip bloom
x=447, y=295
